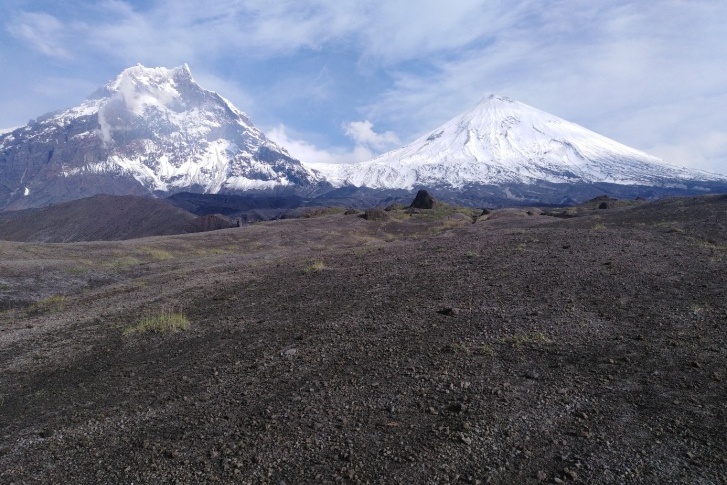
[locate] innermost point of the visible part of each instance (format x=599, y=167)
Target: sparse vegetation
x=159, y=254
x=165, y=321
x=458, y=344
x=122, y=262
x=460, y=348
x=487, y=349
x=315, y=266
x=48, y=305
x=531, y=338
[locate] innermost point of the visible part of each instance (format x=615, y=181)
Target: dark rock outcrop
x=423, y=200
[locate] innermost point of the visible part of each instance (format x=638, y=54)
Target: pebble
x=289, y=352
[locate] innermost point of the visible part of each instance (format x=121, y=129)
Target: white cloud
x=648, y=74
x=367, y=144
x=42, y=31
x=363, y=134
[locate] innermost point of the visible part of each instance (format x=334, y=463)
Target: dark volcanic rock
x=423, y=200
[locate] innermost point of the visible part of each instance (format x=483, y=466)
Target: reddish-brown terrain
x=407, y=348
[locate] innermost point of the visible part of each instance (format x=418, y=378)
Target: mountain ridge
x=156, y=132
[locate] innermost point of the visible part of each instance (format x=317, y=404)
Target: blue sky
x=340, y=81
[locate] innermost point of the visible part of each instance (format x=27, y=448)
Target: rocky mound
x=423, y=200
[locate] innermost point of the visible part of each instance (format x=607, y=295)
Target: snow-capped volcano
x=149, y=130
x=503, y=142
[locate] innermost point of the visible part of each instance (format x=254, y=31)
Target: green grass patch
x=166, y=321
x=47, y=305
x=122, y=262
x=520, y=340
x=460, y=348
x=315, y=267
x=487, y=349
x=159, y=254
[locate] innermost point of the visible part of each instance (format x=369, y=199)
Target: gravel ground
x=521, y=348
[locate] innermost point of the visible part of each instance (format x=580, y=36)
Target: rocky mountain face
x=507, y=149
x=149, y=131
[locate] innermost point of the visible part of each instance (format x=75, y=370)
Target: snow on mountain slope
x=150, y=126
x=500, y=142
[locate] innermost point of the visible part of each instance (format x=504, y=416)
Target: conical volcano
x=503, y=142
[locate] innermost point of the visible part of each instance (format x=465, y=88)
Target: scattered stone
x=457, y=407
x=541, y=476
x=290, y=353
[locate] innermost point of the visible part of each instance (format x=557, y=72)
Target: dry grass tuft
x=315, y=267
x=166, y=321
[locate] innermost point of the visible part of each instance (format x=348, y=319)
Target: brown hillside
x=103, y=218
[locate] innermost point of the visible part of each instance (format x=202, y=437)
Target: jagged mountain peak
x=151, y=75
x=149, y=130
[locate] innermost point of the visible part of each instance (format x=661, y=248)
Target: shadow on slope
x=104, y=218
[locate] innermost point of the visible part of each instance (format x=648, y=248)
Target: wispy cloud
x=648, y=74
x=42, y=32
